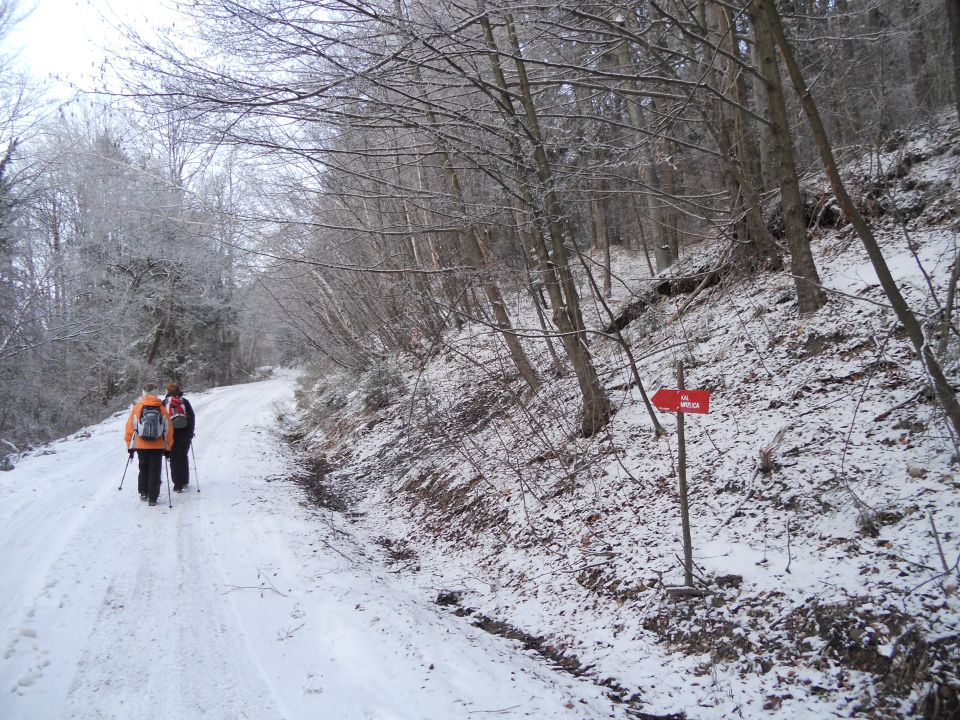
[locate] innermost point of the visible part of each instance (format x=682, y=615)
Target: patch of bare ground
x=324, y=488
x=553, y=653
x=401, y=557
x=887, y=644
x=459, y=510
x=838, y=638
x=312, y=477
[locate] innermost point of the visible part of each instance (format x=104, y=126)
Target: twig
x=736, y=510
x=936, y=577
x=684, y=591
x=789, y=554
x=336, y=550
x=898, y=558
x=253, y=587
x=936, y=537
x=572, y=570
x=721, y=261
x=287, y=634
x=495, y=712
x=707, y=433
x=885, y=414
x=841, y=475
x=749, y=338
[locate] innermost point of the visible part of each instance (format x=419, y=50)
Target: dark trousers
x=179, y=461
x=148, y=481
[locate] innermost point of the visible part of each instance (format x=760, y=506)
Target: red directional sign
x=685, y=401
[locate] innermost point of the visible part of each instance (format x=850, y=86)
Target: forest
x=334, y=183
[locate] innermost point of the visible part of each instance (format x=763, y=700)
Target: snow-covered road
x=236, y=603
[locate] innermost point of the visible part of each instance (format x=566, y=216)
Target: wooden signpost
x=682, y=401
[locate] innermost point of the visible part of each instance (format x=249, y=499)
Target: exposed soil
x=313, y=479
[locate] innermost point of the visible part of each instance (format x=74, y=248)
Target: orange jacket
x=135, y=441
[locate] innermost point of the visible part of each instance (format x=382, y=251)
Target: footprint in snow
x=35, y=669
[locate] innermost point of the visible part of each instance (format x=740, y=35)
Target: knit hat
x=149, y=388
x=172, y=388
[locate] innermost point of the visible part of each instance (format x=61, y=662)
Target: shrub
x=380, y=386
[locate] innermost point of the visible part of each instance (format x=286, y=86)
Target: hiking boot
x=143, y=496
x=152, y=502
x=178, y=488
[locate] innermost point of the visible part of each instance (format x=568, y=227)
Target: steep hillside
x=824, y=485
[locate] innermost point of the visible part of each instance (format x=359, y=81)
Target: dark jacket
x=188, y=408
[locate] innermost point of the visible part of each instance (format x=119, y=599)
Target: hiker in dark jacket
x=151, y=449
x=183, y=420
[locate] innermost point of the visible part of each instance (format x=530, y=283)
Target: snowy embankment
x=816, y=480
x=237, y=602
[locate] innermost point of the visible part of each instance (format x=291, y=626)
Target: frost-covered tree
x=115, y=272
x=440, y=156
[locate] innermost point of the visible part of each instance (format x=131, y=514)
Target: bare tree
x=953, y=31
x=810, y=297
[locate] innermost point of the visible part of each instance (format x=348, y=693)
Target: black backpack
x=150, y=426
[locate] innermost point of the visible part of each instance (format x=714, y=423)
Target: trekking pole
x=196, y=475
x=169, y=496
x=129, y=458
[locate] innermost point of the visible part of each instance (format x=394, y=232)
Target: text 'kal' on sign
x=684, y=401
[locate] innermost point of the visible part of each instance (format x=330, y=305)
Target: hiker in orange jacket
x=150, y=434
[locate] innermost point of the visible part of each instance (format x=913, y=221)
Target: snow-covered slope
x=237, y=602
x=825, y=591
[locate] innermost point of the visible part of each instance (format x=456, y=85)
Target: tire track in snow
x=168, y=651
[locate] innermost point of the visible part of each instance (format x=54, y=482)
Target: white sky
x=70, y=38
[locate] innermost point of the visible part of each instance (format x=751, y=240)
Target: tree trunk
x=556, y=266
x=471, y=242
x=768, y=171
x=917, y=57
x=662, y=247
x=672, y=190
x=810, y=296
x=601, y=242
x=596, y=215
x=596, y=404
x=738, y=156
x=642, y=240
x=535, y=288
x=953, y=30
x=426, y=305
x=450, y=293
